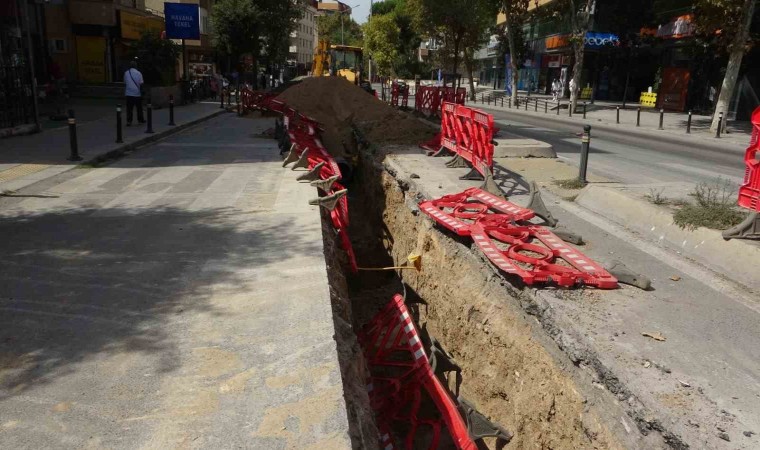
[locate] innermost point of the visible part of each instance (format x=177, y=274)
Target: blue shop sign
x=596, y=40
x=182, y=21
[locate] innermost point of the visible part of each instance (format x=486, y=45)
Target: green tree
x=407, y=40
x=477, y=34
x=726, y=25
x=337, y=29
x=156, y=58
x=380, y=38
x=259, y=27
x=448, y=20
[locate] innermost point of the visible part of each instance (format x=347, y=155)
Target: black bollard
x=559, y=103
x=171, y=111
x=546, y=106
x=638, y=116
x=481, y=99
x=584, y=110
x=149, y=128
x=509, y=102
x=617, y=119
x=720, y=124
x=119, y=139
x=74, y=156
x=662, y=118
x=221, y=98
x=688, y=124
x=535, y=109
x=526, y=103
x=585, y=144
x=570, y=109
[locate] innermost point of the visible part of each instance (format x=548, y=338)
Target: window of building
x=58, y=46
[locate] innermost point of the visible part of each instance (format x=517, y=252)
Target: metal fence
x=16, y=98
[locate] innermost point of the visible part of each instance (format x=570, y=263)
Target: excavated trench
x=512, y=372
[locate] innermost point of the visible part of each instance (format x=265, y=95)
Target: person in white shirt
x=133, y=79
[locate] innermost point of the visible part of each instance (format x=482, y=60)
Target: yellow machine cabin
x=340, y=60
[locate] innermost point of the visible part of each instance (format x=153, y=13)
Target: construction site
x=463, y=318
x=323, y=266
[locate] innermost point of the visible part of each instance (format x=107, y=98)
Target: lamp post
x=349, y=9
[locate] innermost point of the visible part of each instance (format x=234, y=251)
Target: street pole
x=184, y=60
x=342, y=39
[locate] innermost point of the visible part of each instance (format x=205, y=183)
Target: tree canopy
x=349, y=32
x=260, y=27
x=404, y=38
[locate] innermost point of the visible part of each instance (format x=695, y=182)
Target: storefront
x=132, y=26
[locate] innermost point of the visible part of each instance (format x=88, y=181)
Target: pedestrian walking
x=555, y=89
x=133, y=80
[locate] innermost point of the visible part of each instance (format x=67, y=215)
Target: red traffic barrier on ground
x=502, y=232
x=402, y=381
x=458, y=212
x=537, y=255
x=749, y=192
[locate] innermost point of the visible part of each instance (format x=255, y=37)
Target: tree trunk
x=512, y=61
x=579, y=51
x=468, y=64
x=734, y=64
x=457, y=41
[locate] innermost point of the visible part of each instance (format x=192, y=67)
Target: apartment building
x=304, y=39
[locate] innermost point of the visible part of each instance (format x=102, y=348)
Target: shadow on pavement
x=83, y=285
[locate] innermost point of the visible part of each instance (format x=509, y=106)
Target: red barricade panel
x=448, y=127
x=537, y=255
x=749, y=192
x=403, y=387
x=458, y=212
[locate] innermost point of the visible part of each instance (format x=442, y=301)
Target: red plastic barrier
x=469, y=133
x=749, y=192
x=449, y=127
x=458, y=212
x=533, y=253
x=402, y=380
x=427, y=100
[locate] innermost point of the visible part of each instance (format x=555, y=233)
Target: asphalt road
x=633, y=158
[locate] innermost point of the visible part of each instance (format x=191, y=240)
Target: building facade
x=304, y=39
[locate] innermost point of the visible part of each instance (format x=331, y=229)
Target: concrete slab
x=518, y=147
x=186, y=307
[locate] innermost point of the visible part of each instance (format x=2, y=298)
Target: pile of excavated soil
x=337, y=104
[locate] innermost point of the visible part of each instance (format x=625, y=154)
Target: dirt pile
x=337, y=104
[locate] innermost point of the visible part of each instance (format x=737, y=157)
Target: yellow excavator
x=338, y=60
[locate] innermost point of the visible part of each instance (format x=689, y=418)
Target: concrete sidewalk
x=27, y=159
x=177, y=298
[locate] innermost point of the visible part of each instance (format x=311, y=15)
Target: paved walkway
x=177, y=298
x=28, y=159
x=605, y=114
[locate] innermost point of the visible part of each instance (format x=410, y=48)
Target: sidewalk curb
x=120, y=151
x=735, y=259
x=664, y=135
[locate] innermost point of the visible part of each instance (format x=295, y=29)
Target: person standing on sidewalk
x=133, y=80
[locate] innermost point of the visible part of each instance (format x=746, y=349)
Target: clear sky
x=361, y=12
